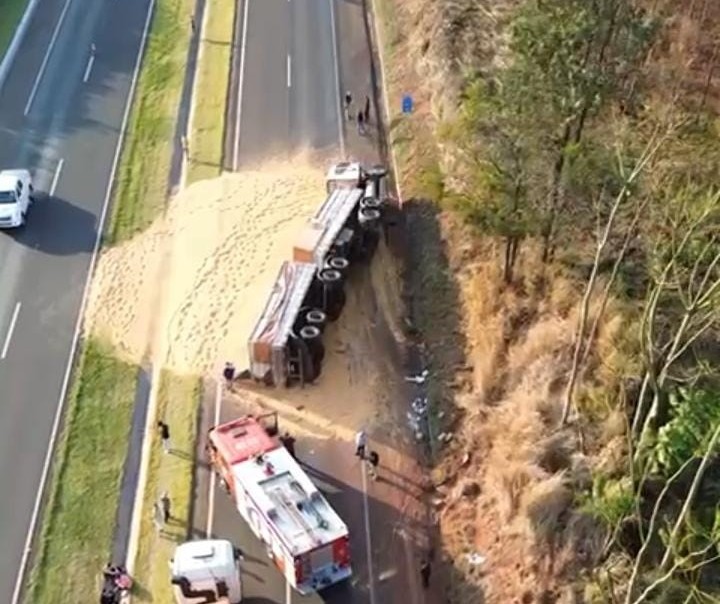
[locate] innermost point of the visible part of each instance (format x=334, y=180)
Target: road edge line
x=368, y=537
x=241, y=78
x=211, y=485
x=32, y=527
x=379, y=49
x=17, y=39
x=193, y=95
x=135, y=525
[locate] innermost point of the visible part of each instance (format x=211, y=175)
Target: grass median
x=211, y=90
x=177, y=405
x=79, y=518
x=12, y=12
x=142, y=185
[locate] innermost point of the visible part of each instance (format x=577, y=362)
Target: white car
x=16, y=195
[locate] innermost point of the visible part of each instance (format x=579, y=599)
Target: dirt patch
x=209, y=263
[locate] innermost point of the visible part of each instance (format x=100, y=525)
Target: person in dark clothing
x=165, y=505
x=289, y=443
x=360, y=123
x=229, y=374
x=348, y=105
x=373, y=460
x=366, y=110
x=164, y=431
x=425, y=573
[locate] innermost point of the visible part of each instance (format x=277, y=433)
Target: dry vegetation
x=517, y=483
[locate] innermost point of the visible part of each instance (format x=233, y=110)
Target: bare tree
x=623, y=197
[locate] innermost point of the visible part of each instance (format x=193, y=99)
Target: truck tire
x=338, y=263
x=330, y=276
x=316, y=318
x=312, y=336
x=368, y=217
x=370, y=202
x=378, y=171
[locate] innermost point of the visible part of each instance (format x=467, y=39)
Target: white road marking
x=56, y=176
x=10, y=330
x=91, y=61
x=211, y=489
x=46, y=58
x=243, y=50
x=336, y=63
x=368, y=539
x=289, y=71
x=78, y=324
x=288, y=591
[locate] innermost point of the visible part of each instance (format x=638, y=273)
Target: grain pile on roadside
x=208, y=263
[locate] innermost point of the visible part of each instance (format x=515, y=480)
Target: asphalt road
x=61, y=119
x=296, y=57
x=287, y=79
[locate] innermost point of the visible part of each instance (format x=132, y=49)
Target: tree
x=574, y=56
x=496, y=138
x=623, y=197
x=683, y=305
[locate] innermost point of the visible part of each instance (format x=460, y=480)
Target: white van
x=207, y=570
x=16, y=195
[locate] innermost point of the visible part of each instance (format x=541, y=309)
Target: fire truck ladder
x=283, y=500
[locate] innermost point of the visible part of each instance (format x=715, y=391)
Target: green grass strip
x=211, y=88
x=79, y=519
x=177, y=405
x=12, y=11
x=147, y=152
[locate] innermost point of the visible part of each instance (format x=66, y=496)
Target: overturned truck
x=286, y=347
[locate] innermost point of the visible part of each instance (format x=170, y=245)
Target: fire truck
x=303, y=535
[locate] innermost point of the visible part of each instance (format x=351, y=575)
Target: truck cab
x=16, y=195
x=206, y=571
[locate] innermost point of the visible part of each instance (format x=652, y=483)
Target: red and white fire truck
x=304, y=536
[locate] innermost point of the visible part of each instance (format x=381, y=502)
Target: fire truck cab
x=303, y=536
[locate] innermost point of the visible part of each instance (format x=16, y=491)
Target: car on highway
x=16, y=196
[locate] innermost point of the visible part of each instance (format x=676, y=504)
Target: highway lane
x=67, y=135
x=288, y=80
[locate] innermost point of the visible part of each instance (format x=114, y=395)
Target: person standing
x=366, y=110
x=360, y=444
x=193, y=27
x=229, y=374
x=164, y=431
x=165, y=505
x=425, y=573
x=373, y=461
x=360, y=123
x=348, y=105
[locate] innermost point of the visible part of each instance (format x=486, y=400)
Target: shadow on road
x=57, y=227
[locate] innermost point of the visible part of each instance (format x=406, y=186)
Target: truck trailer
x=303, y=536
x=285, y=346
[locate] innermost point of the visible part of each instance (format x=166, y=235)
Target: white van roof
x=196, y=560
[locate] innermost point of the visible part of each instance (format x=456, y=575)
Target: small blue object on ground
x=407, y=104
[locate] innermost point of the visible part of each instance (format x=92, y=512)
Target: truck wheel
x=368, y=217
x=312, y=336
x=338, y=263
x=316, y=318
x=330, y=275
x=377, y=170
x=370, y=202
